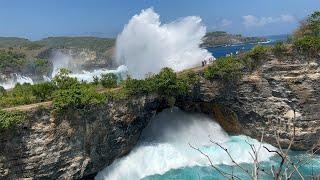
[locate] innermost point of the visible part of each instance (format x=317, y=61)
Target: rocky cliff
x=80, y=143
x=74, y=145
x=279, y=97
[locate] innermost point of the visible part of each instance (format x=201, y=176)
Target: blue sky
x=36, y=19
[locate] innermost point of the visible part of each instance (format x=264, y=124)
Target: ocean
x=164, y=152
x=222, y=51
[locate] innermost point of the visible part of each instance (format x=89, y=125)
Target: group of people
x=204, y=62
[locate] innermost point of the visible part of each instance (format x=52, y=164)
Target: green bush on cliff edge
x=10, y=119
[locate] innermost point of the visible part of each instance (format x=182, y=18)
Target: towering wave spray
x=14, y=79
x=145, y=45
x=163, y=146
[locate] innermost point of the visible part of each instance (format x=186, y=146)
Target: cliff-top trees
x=307, y=37
x=109, y=80
x=226, y=68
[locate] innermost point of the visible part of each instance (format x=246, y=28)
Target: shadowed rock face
x=74, y=145
x=83, y=142
x=273, y=98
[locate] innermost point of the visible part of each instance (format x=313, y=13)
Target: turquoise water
x=206, y=173
x=163, y=151
x=222, y=51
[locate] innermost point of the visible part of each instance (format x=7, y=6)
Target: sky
x=36, y=19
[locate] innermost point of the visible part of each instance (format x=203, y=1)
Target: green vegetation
x=279, y=49
x=109, y=80
x=230, y=69
x=43, y=91
x=11, y=61
x=308, y=46
x=255, y=57
x=218, y=38
x=2, y=91
x=307, y=37
x=77, y=96
x=10, y=119
x=7, y=42
x=166, y=83
x=25, y=57
x=93, y=43
x=226, y=68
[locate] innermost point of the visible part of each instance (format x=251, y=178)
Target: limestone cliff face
x=75, y=145
x=83, y=142
x=274, y=98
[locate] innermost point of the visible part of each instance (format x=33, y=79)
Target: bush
x=11, y=61
x=254, y=58
x=19, y=95
x=109, y=80
x=166, y=83
x=226, y=68
x=186, y=80
x=258, y=53
x=43, y=91
x=10, y=119
x=308, y=46
x=63, y=81
x=137, y=87
x=2, y=91
x=309, y=27
x=77, y=96
x=279, y=49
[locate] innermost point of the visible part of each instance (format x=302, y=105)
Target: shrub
x=10, y=119
x=186, y=80
x=308, y=46
x=19, y=95
x=43, y=91
x=166, y=83
x=258, y=53
x=309, y=27
x=2, y=91
x=96, y=80
x=254, y=58
x=77, y=96
x=279, y=49
x=11, y=61
x=63, y=81
x=226, y=68
x=136, y=87
x=109, y=80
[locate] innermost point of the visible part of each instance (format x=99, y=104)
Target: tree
x=63, y=81
x=43, y=91
x=2, y=91
x=109, y=80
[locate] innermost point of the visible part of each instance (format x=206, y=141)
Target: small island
x=220, y=38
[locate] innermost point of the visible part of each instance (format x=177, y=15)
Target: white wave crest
x=164, y=146
x=146, y=46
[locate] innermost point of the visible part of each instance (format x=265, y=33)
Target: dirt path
x=28, y=106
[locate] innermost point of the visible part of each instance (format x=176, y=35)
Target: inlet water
x=163, y=151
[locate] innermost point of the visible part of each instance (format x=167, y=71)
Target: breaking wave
x=163, y=146
x=146, y=45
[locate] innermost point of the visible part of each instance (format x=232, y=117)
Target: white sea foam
x=164, y=146
x=14, y=79
x=146, y=45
